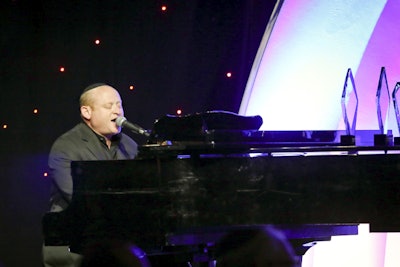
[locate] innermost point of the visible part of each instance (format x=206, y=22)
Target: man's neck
x=106, y=138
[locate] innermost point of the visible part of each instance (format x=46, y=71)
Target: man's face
x=105, y=107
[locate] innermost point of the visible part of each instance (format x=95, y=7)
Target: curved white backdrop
x=298, y=75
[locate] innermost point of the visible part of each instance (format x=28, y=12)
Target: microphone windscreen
x=120, y=120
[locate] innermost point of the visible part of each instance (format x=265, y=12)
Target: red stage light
x=62, y=69
x=164, y=8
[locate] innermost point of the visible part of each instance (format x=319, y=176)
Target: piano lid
x=228, y=127
x=194, y=127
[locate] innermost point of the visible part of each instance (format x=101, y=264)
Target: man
x=97, y=137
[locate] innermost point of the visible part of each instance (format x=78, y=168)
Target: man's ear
x=86, y=112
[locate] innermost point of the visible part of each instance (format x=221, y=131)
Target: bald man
x=97, y=137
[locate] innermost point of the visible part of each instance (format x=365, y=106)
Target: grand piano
x=202, y=175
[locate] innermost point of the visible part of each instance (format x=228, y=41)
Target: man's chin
x=114, y=131
x=118, y=130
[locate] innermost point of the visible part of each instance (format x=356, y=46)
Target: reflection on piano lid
x=228, y=127
x=194, y=127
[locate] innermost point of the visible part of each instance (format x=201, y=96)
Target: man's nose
x=118, y=110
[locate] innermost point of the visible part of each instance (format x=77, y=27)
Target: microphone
x=123, y=122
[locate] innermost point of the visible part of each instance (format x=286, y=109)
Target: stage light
x=163, y=8
x=5, y=126
x=62, y=69
x=97, y=41
x=178, y=111
x=229, y=74
x=131, y=87
x=45, y=174
x=35, y=111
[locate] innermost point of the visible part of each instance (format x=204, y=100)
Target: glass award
x=396, y=111
x=349, y=103
x=382, y=107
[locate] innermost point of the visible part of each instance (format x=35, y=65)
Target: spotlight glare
x=131, y=87
x=97, y=41
x=163, y=8
x=62, y=69
x=5, y=126
x=179, y=111
x=35, y=111
x=229, y=74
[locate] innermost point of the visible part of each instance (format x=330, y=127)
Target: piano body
x=189, y=190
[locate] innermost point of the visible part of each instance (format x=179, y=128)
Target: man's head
x=261, y=247
x=100, y=105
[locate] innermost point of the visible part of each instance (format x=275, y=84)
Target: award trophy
x=382, y=105
x=349, y=110
x=396, y=110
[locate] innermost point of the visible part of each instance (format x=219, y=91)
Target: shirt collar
x=114, y=139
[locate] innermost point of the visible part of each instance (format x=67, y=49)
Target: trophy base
x=347, y=140
x=383, y=140
x=396, y=141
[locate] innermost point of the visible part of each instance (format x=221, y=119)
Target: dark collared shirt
x=114, y=144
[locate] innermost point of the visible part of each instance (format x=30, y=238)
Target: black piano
x=200, y=176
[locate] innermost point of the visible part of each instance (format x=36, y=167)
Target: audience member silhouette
x=114, y=253
x=266, y=247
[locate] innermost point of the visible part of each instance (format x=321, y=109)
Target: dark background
x=176, y=59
